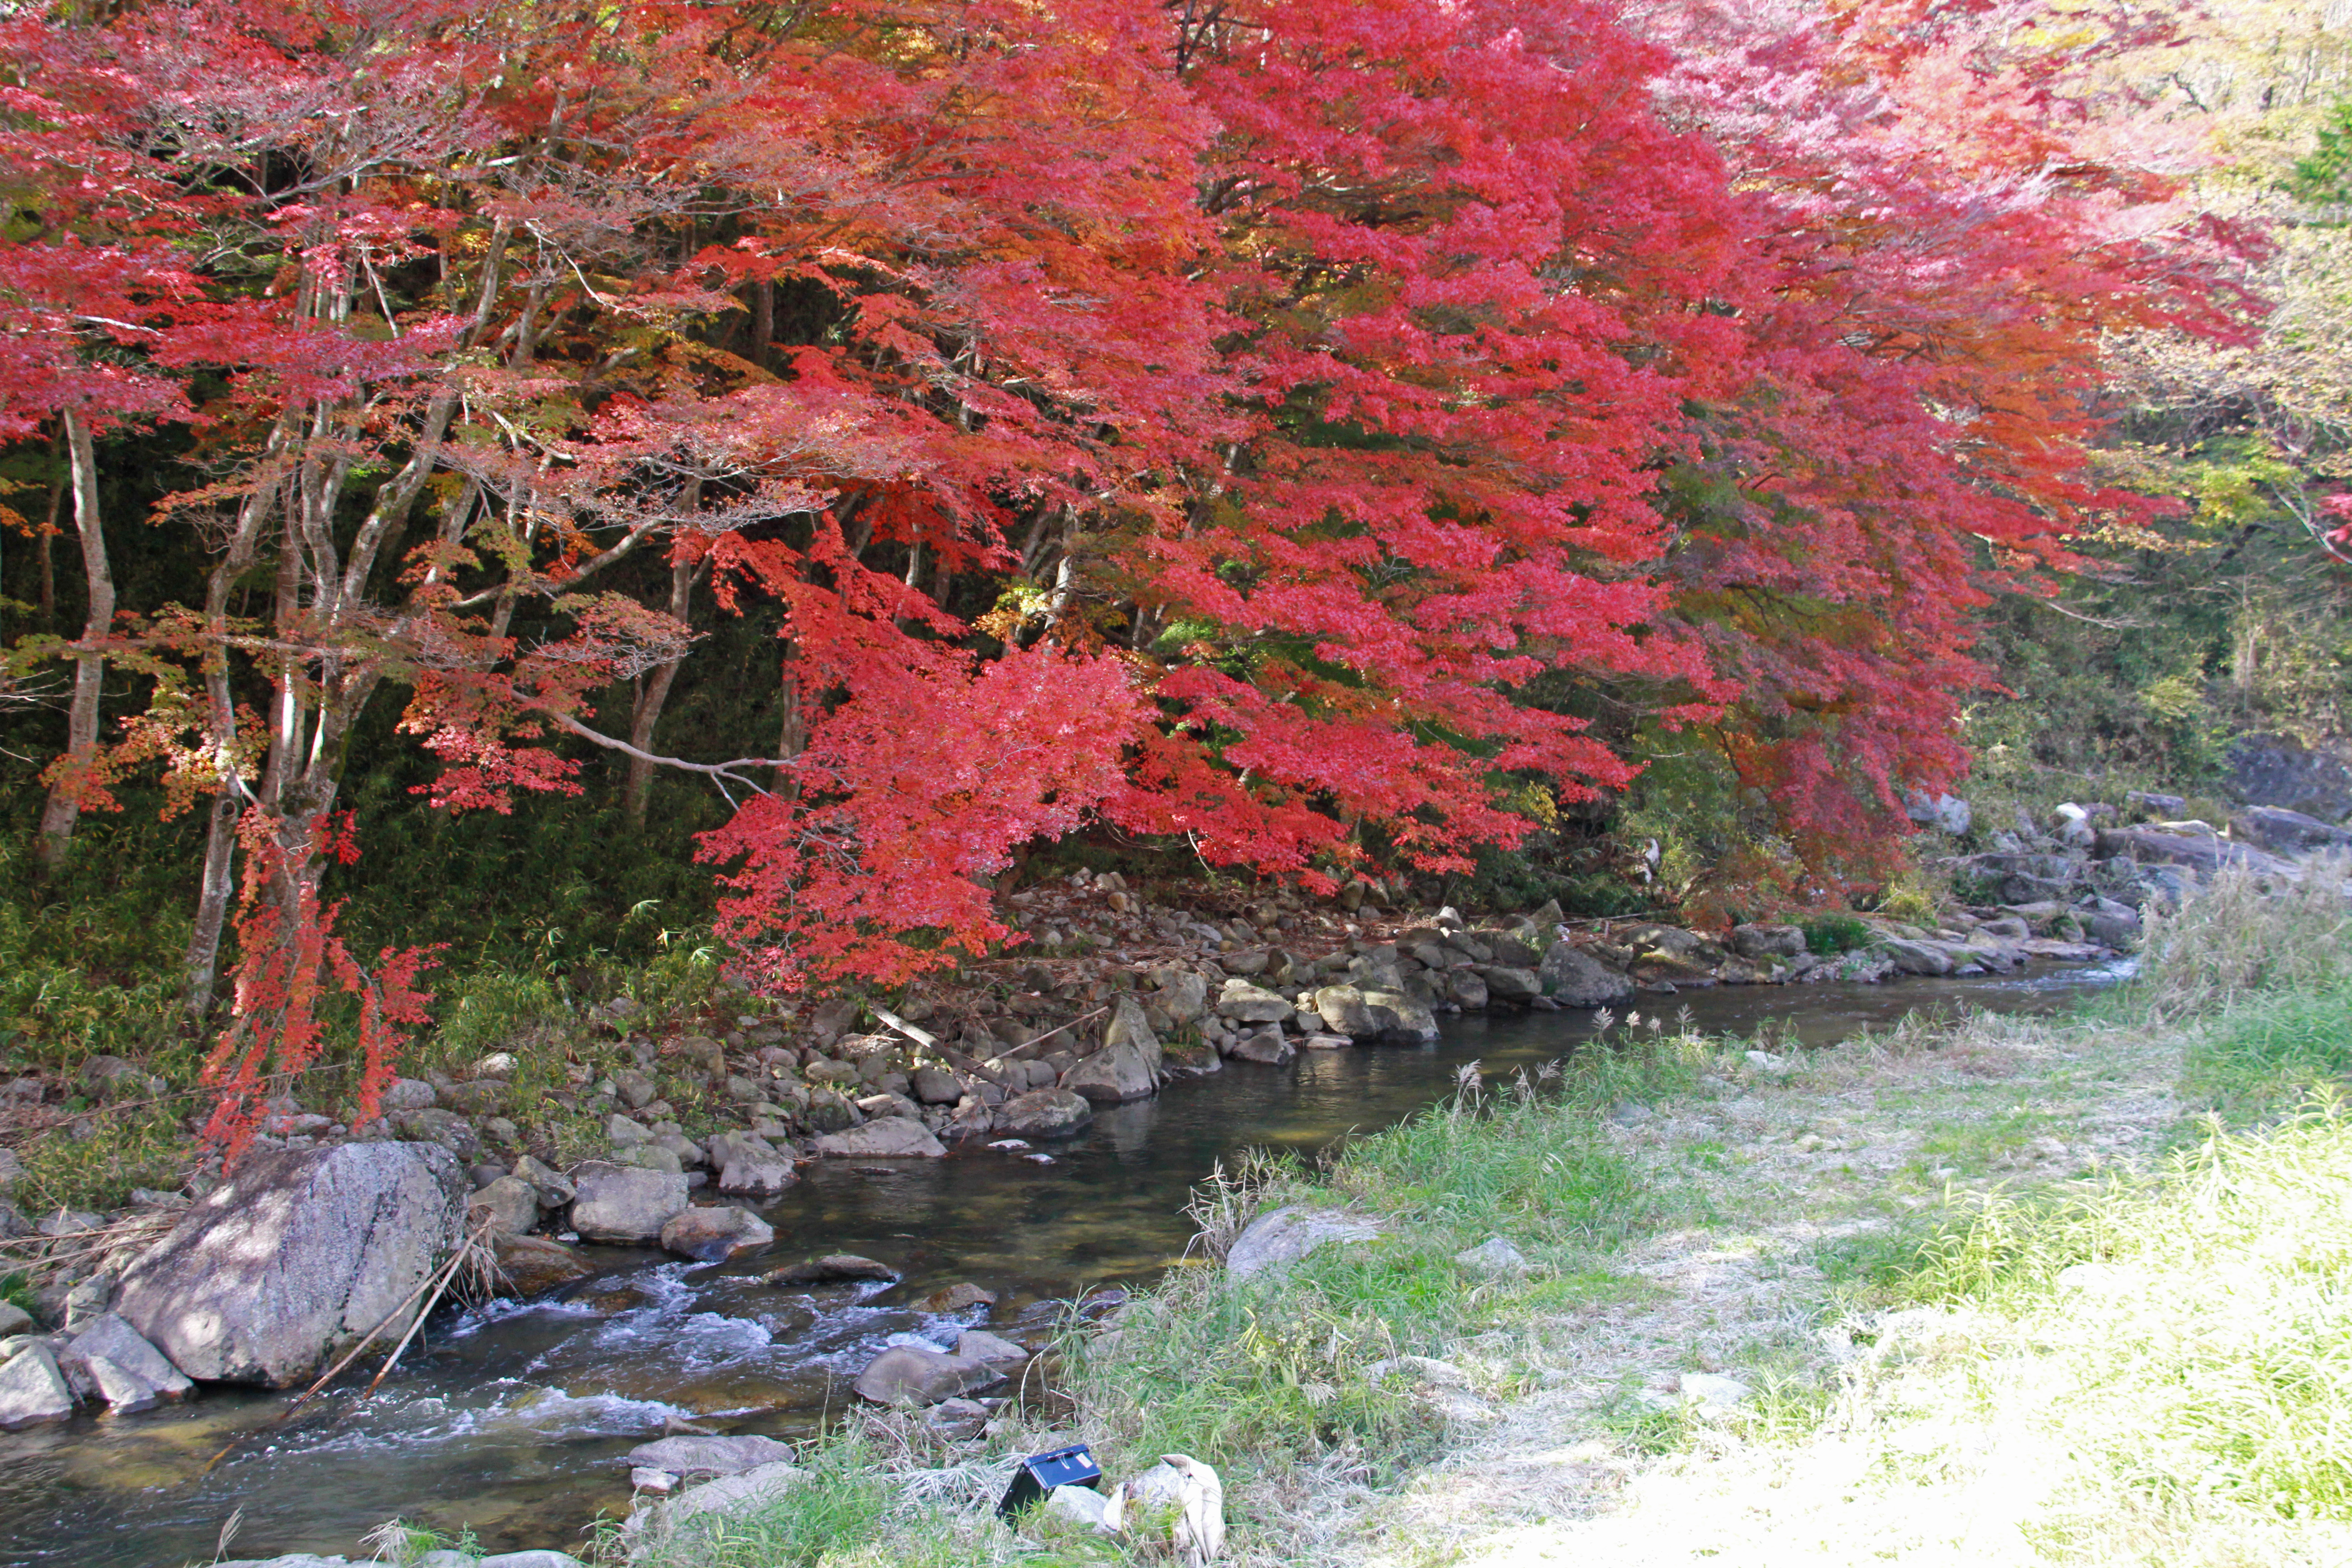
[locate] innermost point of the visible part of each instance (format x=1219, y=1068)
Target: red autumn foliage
x=1281, y=427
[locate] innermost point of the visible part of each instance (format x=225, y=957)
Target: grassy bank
x=2000, y=1290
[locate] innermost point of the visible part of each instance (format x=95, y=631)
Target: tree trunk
x=793, y=738
x=64, y=807
x=649, y=709
x=230, y=793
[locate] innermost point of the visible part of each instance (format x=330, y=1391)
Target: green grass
x=2205, y=1374
x=2270, y=1051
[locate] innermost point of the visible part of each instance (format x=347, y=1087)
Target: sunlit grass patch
x=2270, y=1052
x=2182, y=1348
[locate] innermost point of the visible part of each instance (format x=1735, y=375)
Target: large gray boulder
x=1505, y=984
x=1343, y=1012
x=891, y=1137
x=1044, y=1113
x=1182, y=995
x=1924, y=958
x=1399, y=1016
x=1574, y=978
x=530, y=1265
x=295, y=1256
x=1246, y=1004
x=509, y=1205
x=108, y=1338
x=692, y=1456
x=710, y=1234
x=1129, y=1027
x=624, y=1204
x=2278, y=770
x=2284, y=832
x=32, y=1390
x=2194, y=847
x=708, y=1505
x=1280, y=1238
x=1945, y=813
x=906, y=1375
x=1760, y=944
x=1113, y=1076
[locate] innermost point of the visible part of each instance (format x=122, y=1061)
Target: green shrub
x=1827, y=935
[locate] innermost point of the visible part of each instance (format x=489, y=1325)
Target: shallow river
x=512, y=1421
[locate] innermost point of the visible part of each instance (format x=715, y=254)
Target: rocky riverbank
x=678, y=1132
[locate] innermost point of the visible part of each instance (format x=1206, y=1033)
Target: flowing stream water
x=512, y=1421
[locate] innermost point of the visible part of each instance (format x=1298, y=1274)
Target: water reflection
x=513, y=1420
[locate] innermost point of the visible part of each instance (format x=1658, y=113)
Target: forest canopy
x=1326, y=435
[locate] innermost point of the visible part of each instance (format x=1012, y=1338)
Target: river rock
x=510, y=1205
x=2284, y=832
x=1114, y=1075
x=33, y=1391
x=1183, y=995
x=1493, y=1255
x=1660, y=968
x=1943, y=813
x=729, y=1496
x=2277, y=770
x=1508, y=949
x=121, y=1390
x=1128, y=1026
x=904, y=1376
x=1276, y=1240
x=623, y=1204
x=1398, y=1015
x=1343, y=1012
x=1246, y=1004
x=447, y=1128
x=891, y=1137
x=957, y=1419
x=107, y=1337
x=726, y=1148
x=533, y=1265
x=544, y=1557
x=1575, y=979
x=2111, y=923
x=979, y=1344
x=411, y=1094
x=1516, y=986
x=688, y=1455
x=757, y=1178
x=711, y=1235
x=936, y=1085
x=1763, y=942
x=1268, y=1048
x=2195, y=847
x=832, y=1268
x=1917, y=957
x=1044, y=1113
x=294, y=1256
x=957, y=1298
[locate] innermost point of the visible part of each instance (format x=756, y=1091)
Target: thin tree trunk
x=647, y=712
x=63, y=806
x=793, y=738
x=48, y=576
x=229, y=793
x=763, y=322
